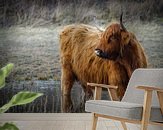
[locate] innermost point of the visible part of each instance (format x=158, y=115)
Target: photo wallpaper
x=48, y=54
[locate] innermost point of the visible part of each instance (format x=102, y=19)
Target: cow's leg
x=88, y=92
x=121, y=87
x=66, y=103
x=67, y=80
x=119, y=93
x=118, y=77
x=121, y=90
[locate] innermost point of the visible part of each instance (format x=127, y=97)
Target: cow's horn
x=122, y=26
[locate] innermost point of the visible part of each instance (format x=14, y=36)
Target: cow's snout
x=101, y=54
x=104, y=55
x=98, y=52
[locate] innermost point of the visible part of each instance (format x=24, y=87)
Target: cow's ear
x=125, y=37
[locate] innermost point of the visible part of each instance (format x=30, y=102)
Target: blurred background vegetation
x=42, y=12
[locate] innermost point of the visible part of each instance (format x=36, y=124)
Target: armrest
x=102, y=85
x=147, y=88
x=112, y=91
x=148, y=101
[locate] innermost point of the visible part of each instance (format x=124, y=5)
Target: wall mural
x=48, y=54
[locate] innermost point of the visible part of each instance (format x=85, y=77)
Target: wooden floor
x=57, y=121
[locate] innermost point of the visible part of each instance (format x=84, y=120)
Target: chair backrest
x=146, y=77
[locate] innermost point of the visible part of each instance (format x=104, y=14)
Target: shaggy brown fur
x=79, y=61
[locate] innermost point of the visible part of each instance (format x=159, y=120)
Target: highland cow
x=106, y=57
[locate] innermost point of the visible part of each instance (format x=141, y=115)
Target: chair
x=142, y=103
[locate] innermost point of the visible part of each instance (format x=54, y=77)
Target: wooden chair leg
x=94, y=122
x=146, y=110
x=160, y=98
x=124, y=125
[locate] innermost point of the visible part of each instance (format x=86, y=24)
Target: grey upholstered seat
x=131, y=106
x=125, y=110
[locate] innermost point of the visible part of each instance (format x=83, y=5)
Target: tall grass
x=42, y=12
